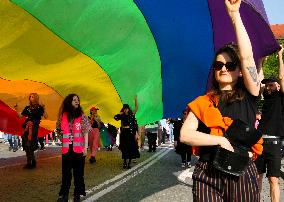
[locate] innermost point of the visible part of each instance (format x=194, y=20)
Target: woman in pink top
x=74, y=127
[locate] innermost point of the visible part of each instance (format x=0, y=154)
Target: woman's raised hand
x=280, y=52
x=232, y=5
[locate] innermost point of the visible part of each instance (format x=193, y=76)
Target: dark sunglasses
x=230, y=66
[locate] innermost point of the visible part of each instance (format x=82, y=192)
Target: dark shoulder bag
x=242, y=137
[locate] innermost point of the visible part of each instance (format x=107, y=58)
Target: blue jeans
x=13, y=141
x=171, y=136
x=5, y=137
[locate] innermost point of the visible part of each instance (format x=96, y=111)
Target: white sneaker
x=183, y=165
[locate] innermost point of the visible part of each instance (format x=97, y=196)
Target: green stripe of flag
x=115, y=34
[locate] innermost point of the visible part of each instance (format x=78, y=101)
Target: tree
x=270, y=69
x=270, y=66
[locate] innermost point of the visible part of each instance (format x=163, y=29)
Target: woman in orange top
x=235, y=87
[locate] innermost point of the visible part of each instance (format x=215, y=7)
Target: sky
x=274, y=10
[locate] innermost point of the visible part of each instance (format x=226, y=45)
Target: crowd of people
x=15, y=141
x=77, y=132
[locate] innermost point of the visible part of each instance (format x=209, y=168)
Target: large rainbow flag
x=108, y=51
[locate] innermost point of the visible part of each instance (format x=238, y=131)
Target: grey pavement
x=8, y=158
x=5, y=153
x=160, y=178
x=164, y=180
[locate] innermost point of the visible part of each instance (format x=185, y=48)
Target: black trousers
x=152, y=137
x=30, y=155
x=41, y=140
x=185, y=151
x=76, y=162
x=163, y=140
x=185, y=156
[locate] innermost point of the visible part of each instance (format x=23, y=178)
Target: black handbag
x=233, y=163
x=242, y=137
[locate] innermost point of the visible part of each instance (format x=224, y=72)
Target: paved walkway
x=159, y=178
x=8, y=157
x=5, y=153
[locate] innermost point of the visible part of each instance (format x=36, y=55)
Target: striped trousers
x=212, y=185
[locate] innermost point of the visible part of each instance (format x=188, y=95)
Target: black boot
x=92, y=159
x=124, y=164
x=128, y=165
x=76, y=198
x=33, y=164
x=28, y=165
x=62, y=198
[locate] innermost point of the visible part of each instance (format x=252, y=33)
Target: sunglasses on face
x=230, y=66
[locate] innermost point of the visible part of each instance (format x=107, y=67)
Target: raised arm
x=260, y=69
x=281, y=69
x=260, y=73
x=248, y=66
x=136, y=105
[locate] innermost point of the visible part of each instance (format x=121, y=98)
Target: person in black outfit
x=164, y=135
x=272, y=127
x=152, y=138
x=113, y=133
x=182, y=149
x=34, y=112
x=41, y=142
x=128, y=135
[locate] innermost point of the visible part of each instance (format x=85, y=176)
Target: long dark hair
x=69, y=108
x=126, y=106
x=237, y=93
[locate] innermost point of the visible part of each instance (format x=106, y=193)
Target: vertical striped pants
x=211, y=185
